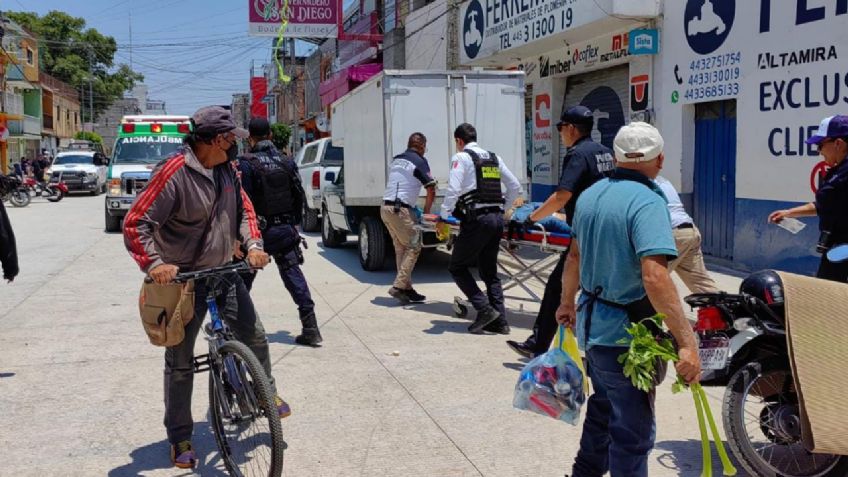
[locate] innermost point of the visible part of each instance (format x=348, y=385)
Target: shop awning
x=345, y=80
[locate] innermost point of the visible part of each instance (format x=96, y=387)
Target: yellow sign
x=491, y=172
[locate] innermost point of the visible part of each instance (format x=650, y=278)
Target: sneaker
x=521, y=348
x=400, y=295
x=183, y=456
x=500, y=327
x=483, y=318
x=283, y=409
x=414, y=296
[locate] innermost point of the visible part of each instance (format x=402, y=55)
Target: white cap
x=637, y=142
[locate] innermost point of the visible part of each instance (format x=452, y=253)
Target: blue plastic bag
x=551, y=385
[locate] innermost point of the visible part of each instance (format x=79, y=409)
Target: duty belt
x=282, y=219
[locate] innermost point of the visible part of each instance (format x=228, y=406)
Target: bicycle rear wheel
x=244, y=416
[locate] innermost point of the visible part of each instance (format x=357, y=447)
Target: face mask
x=232, y=153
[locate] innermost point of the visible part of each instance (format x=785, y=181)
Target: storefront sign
x=492, y=26
x=542, y=138
x=644, y=42
x=790, y=59
x=306, y=18
x=581, y=57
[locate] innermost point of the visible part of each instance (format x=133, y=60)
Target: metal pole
x=90, y=88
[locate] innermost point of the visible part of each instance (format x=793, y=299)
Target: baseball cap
x=212, y=120
x=577, y=115
x=259, y=127
x=637, y=142
x=830, y=127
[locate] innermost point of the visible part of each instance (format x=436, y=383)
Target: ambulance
x=142, y=142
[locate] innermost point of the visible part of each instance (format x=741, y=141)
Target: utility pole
x=131, y=63
x=90, y=88
x=453, y=34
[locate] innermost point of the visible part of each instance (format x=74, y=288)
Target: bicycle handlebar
x=239, y=267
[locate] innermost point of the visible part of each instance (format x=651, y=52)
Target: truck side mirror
x=330, y=176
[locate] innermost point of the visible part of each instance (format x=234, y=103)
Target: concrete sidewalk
x=81, y=388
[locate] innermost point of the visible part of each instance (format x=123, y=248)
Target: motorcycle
x=52, y=191
x=15, y=192
x=743, y=347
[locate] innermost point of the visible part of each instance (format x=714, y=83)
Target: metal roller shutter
x=607, y=93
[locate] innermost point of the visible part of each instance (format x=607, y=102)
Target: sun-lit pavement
x=393, y=392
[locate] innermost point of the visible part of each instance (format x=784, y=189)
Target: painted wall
x=786, y=65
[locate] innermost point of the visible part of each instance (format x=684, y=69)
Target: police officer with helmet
x=831, y=204
x=272, y=182
x=585, y=163
x=474, y=196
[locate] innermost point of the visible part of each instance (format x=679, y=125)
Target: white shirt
x=463, y=179
x=675, y=205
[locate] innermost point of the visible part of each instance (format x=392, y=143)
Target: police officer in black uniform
x=831, y=204
x=273, y=184
x=585, y=163
x=474, y=196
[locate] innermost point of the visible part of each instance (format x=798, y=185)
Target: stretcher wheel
x=460, y=307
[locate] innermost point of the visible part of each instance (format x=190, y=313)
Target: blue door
x=715, y=176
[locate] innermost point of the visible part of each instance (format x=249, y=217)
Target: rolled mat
x=817, y=335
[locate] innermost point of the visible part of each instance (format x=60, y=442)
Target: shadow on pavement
x=156, y=456
x=684, y=457
x=432, y=267
x=280, y=337
x=442, y=326
x=6, y=375
x=515, y=366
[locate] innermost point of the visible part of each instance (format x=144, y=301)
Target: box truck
x=373, y=122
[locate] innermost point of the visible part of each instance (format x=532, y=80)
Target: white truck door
x=494, y=105
x=419, y=104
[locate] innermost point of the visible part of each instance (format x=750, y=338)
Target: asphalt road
x=81, y=387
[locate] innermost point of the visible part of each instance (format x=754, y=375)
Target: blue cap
x=831, y=127
x=577, y=115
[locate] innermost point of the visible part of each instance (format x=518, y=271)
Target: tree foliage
x=280, y=135
x=89, y=136
x=66, y=47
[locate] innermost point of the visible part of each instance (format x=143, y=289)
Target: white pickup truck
x=314, y=161
x=372, y=125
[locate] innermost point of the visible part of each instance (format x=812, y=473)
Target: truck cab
x=314, y=160
x=142, y=142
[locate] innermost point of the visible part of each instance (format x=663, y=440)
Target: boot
x=311, y=335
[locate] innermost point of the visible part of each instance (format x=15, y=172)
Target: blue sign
x=472, y=29
x=643, y=42
x=707, y=23
x=608, y=113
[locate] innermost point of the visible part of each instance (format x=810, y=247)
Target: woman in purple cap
x=831, y=204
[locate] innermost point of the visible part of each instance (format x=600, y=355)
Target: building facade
x=735, y=87
x=60, y=112
x=110, y=120
x=22, y=94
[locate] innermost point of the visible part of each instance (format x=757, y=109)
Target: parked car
x=314, y=160
x=81, y=170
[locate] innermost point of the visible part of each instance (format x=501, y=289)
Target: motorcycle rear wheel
x=55, y=195
x=762, y=424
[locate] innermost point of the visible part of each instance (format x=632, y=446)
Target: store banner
x=306, y=18
x=258, y=90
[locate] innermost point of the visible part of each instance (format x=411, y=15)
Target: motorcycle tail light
x=710, y=319
x=316, y=180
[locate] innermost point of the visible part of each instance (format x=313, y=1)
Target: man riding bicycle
x=187, y=218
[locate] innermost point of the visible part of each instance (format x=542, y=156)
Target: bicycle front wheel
x=244, y=416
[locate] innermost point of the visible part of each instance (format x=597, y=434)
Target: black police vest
x=488, y=173
x=275, y=194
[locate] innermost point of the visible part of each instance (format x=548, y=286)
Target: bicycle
x=240, y=393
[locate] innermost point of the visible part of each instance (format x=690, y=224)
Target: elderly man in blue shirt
x=619, y=257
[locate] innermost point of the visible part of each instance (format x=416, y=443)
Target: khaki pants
x=406, y=240
x=689, y=263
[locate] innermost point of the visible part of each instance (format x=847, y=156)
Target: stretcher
x=515, y=237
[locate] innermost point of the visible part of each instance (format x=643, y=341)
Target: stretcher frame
x=522, y=269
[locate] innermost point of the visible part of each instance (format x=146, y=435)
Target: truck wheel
x=310, y=220
x=329, y=236
x=113, y=223
x=372, y=244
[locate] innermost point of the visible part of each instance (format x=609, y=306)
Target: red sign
x=258, y=90
x=306, y=18
x=817, y=176
x=543, y=111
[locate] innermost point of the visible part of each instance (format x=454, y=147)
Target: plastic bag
x=551, y=385
x=568, y=343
